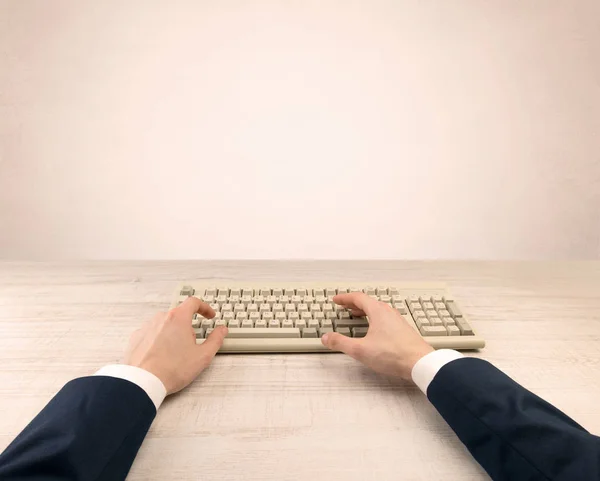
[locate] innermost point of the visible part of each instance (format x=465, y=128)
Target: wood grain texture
x=298, y=416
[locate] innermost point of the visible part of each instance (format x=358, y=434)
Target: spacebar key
x=262, y=332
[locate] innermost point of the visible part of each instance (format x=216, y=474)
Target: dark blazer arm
x=91, y=430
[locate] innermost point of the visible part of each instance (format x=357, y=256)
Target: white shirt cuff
x=428, y=366
x=151, y=385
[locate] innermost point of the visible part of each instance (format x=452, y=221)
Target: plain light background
x=300, y=129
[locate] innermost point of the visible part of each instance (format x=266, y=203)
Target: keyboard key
x=435, y=321
x=331, y=315
x=289, y=292
x=265, y=291
x=254, y=316
x=258, y=332
x=353, y=322
x=448, y=321
x=306, y=316
x=222, y=322
x=293, y=316
x=324, y=330
x=421, y=321
x=417, y=314
x=327, y=323
x=414, y=306
x=196, y=322
x=302, y=307
x=199, y=332
x=223, y=292
x=289, y=308
x=342, y=290
x=453, y=330
x=309, y=332
x=287, y=323
x=248, y=324
x=330, y=291
x=234, y=323
x=382, y=291
x=268, y=316
x=264, y=308
x=318, y=292
x=247, y=291
x=274, y=324
x=242, y=316
x=319, y=316
x=277, y=291
x=327, y=308
x=271, y=300
x=296, y=300
x=436, y=298
x=439, y=305
x=427, y=306
x=280, y=316
x=208, y=299
x=393, y=291
x=239, y=308
x=221, y=299
x=252, y=308
x=260, y=324
x=206, y=323
x=226, y=308
x=320, y=300
x=344, y=331
x=430, y=313
x=278, y=308
x=444, y=313
x=233, y=299
x=315, y=307
x=464, y=327
x=301, y=291
x=313, y=323
x=301, y=323
x=309, y=300
x=211, y=291
x=359, y=331
x=453, y=309
x=385, y=298
x=433, y=331
x=258, y=300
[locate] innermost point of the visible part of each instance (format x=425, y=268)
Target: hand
x=390, y=347
x=166, y=346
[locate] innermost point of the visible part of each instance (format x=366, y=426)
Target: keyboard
x=290, y=317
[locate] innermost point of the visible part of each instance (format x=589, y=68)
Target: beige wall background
x=299, y=129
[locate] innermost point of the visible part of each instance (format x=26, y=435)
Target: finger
x=357, y=301
x=345, y=344
x=193, y=305
x=213, y=343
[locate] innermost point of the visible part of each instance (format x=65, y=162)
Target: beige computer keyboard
x=291, y=317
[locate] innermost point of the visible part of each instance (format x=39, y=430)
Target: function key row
x=276, y=291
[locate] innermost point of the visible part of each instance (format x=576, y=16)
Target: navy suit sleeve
x=91, y=430
x=511, y=432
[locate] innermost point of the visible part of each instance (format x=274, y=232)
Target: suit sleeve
x=91, y=430
x=511, y=432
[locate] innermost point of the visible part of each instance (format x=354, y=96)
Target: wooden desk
x=297, y=417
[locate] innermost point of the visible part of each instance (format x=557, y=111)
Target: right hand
x=391, y=345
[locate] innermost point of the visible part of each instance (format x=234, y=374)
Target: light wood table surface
x=298, y=416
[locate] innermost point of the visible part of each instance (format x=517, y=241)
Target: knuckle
x=171, y=315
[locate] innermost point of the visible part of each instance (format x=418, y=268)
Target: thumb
x=338, y=342
x=214, y=341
